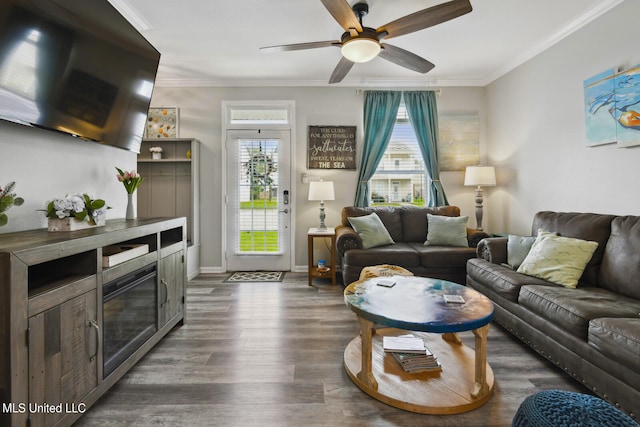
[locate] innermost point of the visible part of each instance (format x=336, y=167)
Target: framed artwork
x=598, y=98
x=612, y=108
x=331, y=147
x=458, y=140
x=162, y=122
x=627, y=109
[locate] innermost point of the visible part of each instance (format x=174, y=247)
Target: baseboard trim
x=212, y=270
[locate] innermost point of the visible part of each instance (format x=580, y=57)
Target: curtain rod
x=438, y=91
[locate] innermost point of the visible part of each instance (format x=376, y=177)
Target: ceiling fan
x=362, y=44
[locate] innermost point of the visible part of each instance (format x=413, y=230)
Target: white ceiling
x=216, y=42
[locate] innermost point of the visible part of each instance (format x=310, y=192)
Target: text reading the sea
x=331, y=147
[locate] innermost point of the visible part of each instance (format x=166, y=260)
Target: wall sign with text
x=331, y=147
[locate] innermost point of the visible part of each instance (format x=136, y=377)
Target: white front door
x=258, y=200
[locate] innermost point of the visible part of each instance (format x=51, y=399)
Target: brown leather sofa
x=593, y=331
x=407, y=226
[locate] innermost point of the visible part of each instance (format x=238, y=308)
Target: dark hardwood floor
x=270, y=354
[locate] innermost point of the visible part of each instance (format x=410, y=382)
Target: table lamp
x=321, y=190
x=479, y=176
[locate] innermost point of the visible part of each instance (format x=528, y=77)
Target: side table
x=313, y=272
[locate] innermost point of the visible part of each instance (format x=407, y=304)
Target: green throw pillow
x=560, y=260
x=518, y=248
x=371, y=230
x=447, y=230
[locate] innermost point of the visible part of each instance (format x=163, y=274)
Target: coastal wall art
x=162, y=122
x=612, y=108
x=459, y=140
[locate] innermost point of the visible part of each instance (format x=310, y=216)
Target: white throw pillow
x=560, y=260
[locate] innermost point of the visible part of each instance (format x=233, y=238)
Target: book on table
x=411, y=353
x=412, y=362
x=403, y=344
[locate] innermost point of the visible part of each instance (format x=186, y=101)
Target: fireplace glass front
x=129, y=315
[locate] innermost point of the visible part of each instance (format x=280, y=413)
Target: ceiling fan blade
x=426, y=18
x=341, y=70
x=405, y=59
x=300, y=46
x=342, y=12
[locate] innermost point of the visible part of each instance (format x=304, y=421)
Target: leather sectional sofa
x=592, y=331
x=408, y=228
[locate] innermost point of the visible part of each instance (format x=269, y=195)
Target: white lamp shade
x=321, y=190
x=480, y=175
x=360, y=49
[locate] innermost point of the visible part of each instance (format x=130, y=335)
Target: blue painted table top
x=417, y=304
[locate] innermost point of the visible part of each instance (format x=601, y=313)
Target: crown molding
x=561, y=34
x=359, y=83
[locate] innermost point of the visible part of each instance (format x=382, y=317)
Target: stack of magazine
x=411, y=353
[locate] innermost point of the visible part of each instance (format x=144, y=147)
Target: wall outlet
x=306, y=178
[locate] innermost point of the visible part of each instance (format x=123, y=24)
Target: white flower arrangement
x=156, y=149
x=79, y=206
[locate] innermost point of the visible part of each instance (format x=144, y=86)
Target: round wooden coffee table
x=417, y=304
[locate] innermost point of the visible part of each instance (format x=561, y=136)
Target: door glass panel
x=257, y=201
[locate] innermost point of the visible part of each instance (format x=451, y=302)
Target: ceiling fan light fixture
x=360, y=49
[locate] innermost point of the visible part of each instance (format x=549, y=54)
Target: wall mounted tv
x=75, y=66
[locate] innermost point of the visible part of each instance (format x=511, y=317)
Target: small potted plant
x=75, y=212
x=156, y=153
x=8, y=199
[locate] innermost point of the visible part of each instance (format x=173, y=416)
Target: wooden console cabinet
x=51, y=313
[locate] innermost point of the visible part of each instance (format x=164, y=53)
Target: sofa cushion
x=618, y=338
x=371, y=230
x=501, y=280
x=414, y=220
x=585, y=226
x=389, y=215
x=518, y=248
x=447, y=231
x=572, y=309
x=558, y=259
x=401, y=254
x=620, y=268
x=443, y=256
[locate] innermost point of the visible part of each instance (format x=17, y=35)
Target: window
x=18, y=73
x=400, y=176
x=251, y=115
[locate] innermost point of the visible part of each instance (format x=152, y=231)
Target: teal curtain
x=380, y=111
x=423, y=116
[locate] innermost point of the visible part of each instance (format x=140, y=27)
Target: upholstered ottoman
x=557, y=408
x=383, y=270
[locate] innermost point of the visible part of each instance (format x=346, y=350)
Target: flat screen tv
x=75, y=66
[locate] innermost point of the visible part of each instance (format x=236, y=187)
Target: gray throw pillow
x=447, y=230
x=371, y=230
x=518, y=248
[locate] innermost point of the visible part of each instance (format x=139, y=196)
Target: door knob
x=285, y=211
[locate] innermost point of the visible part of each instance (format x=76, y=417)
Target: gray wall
x=200, y=117
x=536, y=130
x=534, y=134
x=47, y=165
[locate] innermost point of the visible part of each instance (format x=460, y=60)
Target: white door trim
x=227, y=106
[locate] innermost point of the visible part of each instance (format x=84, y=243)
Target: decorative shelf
x=162, y=160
